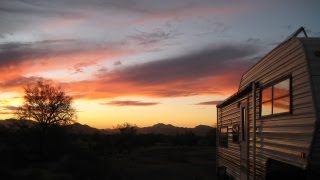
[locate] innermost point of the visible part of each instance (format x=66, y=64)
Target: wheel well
x=277, y=169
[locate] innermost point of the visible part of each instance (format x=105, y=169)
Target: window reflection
x=224, y=130
x=266, y=109
x=281, y=105
x=267, y=94
x=276, y=98
x=281, y=89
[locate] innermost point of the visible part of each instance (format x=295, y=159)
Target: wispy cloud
x=209, y=103
x=254, y=40
x=19, y=82
x=209, y=70
x=18, y=59
x=10, y=108
x=117, y=63
x=154, y=37
x=130, y=103
x=5, y=113
x=210, y=62
x=188, y=10
x=215, y=70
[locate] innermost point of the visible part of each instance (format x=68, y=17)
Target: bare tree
x=46, y=104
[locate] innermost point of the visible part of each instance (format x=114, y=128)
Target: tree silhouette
x=127, y=129
x=46, y=104
x=127, y=137
x=49, y=106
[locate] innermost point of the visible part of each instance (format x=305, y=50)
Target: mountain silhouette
x=169, y=129
x=77, y=128
x=14, y=124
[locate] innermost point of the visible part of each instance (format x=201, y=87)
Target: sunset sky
x=141, y=61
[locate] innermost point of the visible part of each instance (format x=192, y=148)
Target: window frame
x=289, y=77
x=227, y=140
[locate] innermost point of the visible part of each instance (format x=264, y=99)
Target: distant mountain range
x=160, y=128
x=169, y=129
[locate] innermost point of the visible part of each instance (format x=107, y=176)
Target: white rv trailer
x=270, y=126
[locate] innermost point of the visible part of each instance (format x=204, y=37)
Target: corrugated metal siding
x=311, y=46
x=282, y=137
x=229, y=157
x=277, y=63
x=250, y=134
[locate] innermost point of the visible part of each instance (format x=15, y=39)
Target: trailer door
x=244, y=141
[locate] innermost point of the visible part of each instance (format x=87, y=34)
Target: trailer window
x=235, y=133
x=276, y=98
x=266, y=101
x=223, y=138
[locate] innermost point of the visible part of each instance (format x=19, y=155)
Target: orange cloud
x=215, y=70
x=19, y=59
x=130, y=103
x=210, y=103
x=102, y=88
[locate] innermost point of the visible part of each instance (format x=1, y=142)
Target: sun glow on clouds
x=8, y=100
x=177, y=111
x=161, y=85
x=67, y=75
x=142, y=62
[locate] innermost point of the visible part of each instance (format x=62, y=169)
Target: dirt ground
x=154, y=162
x=166, y=162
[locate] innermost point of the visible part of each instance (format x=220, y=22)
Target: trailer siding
x=287, y=137
x=284, y=137
x=229, y=157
